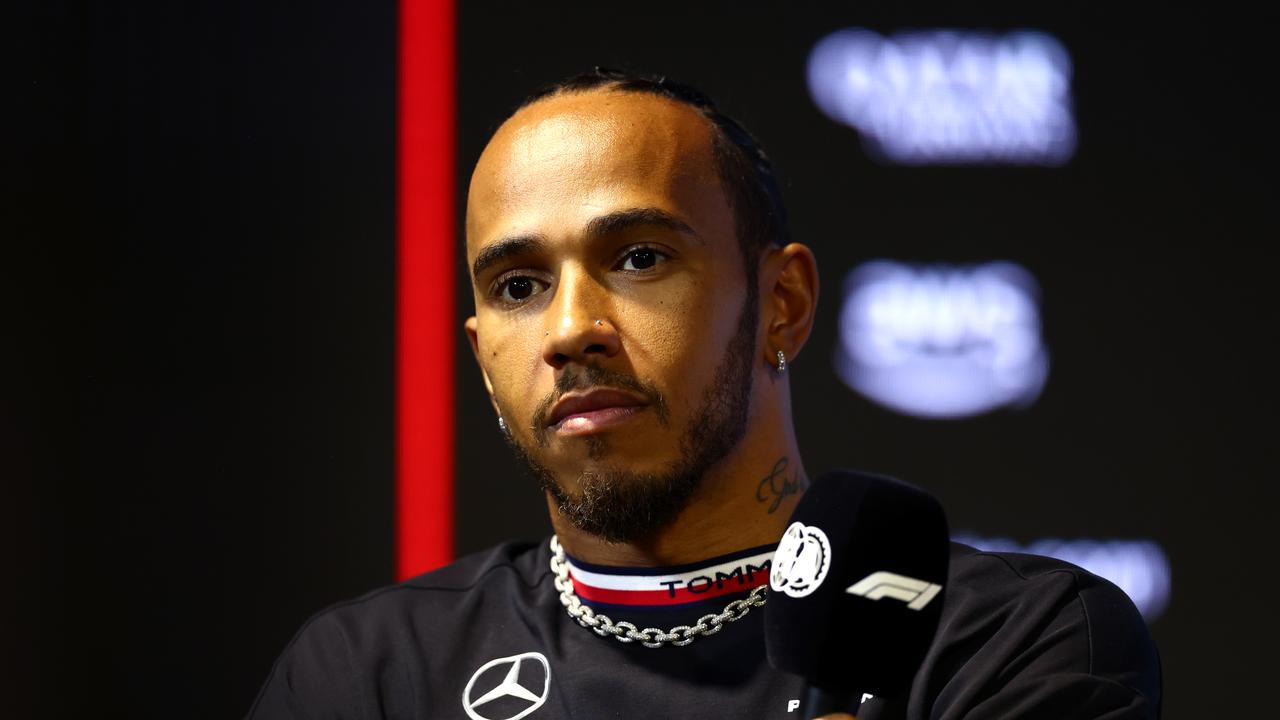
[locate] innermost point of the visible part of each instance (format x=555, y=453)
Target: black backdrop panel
x=207, y=344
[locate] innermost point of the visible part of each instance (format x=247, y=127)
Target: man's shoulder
x=520, y=561
x=1012, y=617
x=510, y=570
x=1016, y=571
x=996, y=579
x=506, y=567
x=377, y=640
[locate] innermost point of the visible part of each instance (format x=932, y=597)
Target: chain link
x=625, y=632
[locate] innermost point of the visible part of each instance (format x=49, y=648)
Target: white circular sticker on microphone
x=801, y=562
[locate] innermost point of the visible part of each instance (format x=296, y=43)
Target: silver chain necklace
x=625, y=632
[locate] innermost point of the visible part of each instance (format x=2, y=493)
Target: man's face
x=613, y=320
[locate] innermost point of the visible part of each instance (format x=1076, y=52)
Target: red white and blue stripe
x=717, y=577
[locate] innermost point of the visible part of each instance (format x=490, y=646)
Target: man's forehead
x=595, y=126
x=576, y=150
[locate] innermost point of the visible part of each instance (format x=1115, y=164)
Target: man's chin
x=578, y=478
x=622, y=507
x=618, y=491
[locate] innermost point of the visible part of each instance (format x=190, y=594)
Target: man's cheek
x=512, y=364
x=668, y=333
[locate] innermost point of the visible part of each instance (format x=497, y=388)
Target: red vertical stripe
x=425, y=322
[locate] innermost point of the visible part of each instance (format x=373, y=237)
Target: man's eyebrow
x=505, y=248
x=622, y=220
x=600, y=226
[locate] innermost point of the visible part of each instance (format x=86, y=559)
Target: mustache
x=592, y=377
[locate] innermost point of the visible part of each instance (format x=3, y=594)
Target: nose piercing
x=599, y=323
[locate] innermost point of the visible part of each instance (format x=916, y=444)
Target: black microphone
x=856, y=589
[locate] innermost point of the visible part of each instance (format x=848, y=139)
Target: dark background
x=197, y=418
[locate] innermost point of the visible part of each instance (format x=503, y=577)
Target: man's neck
x=745, y=501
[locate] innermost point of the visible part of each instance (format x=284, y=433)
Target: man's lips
x=578, y=413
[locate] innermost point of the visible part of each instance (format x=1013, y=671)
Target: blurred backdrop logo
x=942, y=341
x=949, y=96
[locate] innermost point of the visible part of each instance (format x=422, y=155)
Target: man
x=638, y=305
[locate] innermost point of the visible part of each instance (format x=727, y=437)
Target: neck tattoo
x=775, y=487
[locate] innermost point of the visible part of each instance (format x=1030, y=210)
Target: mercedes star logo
x=510, y=687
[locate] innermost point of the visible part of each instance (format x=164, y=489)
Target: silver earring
x=502, y=424
x=782, y=362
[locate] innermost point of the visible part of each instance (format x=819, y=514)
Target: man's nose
x=580, y=328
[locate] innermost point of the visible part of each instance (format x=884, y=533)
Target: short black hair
x=746, y=173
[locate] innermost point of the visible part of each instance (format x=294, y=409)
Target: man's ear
x=470, y=327
x=790, y=298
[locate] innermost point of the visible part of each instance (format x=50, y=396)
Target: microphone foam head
x=856, y=584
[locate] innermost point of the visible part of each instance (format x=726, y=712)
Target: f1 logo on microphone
x=915, y=593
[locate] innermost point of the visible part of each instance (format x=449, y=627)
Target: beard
x=619, y=505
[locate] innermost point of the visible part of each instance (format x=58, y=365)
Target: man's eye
x=519, y=289
x=642, y=259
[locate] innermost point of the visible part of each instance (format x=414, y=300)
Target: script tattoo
x=776, y=485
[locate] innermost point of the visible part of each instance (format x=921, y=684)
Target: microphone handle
x=819, y=702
